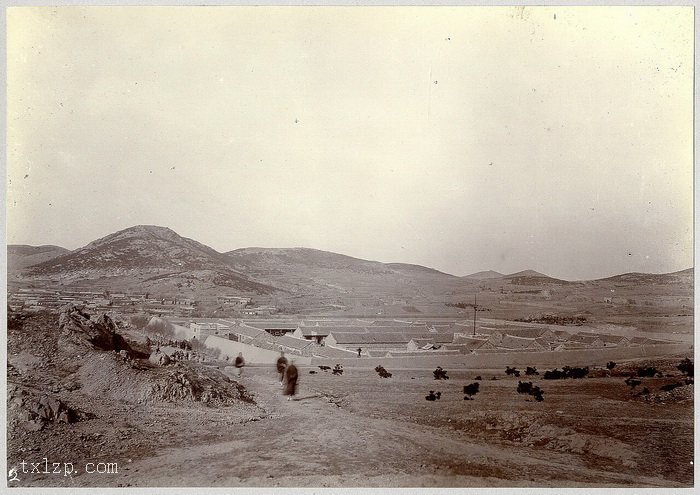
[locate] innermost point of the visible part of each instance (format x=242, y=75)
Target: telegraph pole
x=475, y=315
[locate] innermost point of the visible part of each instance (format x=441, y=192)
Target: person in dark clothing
x=239, y=363
x=359, y=352
x=281, y=366
x=291, y=375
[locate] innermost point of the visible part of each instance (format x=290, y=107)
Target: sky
x=557, y=139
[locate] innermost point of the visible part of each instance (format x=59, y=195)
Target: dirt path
x=315, y=441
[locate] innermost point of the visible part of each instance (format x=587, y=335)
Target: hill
x=21, y=255
x=485, y=275
x=531, y=277
x=150, y=256
x=311, y=271
x=636, y=278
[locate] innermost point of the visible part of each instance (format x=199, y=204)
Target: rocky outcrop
x=34, y=412
x=79, y=330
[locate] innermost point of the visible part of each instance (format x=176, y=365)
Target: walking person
x=281, y=366
x=291, y=375
x=359, y=352
x=239, y=363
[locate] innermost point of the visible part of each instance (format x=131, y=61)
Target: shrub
x=530, y=389
x=531, y=371
x=382, y=372
x=647, y=372
x=686, y=367
x=537, y=393
x=524, y=387
x=471, y=390
x=566, y=372
x=432, y=396
x=512, y=371
x=611, y=365
x=338, y=370
x=440, y=374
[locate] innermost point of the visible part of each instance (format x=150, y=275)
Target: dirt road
x=316, y=441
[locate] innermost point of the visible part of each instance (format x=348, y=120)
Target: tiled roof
x=390, y=323
x=584, y=338
x=467, y=343
x=369, y=338
x=292, y=342
x=271, y=324
x=529, y=333
x=247, y=331
x=309, y=331
x=511, y=342
x=389, y=337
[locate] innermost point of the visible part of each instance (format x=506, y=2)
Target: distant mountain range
x=21, y=255
x=157, y=258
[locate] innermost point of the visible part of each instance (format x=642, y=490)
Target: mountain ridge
x=125, y=251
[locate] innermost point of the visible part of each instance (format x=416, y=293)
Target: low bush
x=440, y=374
x=471, y=390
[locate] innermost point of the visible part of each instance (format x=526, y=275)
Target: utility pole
x=475, y=315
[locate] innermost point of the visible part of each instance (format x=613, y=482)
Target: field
x=357, y=429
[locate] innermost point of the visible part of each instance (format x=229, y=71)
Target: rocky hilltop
x=148, y=255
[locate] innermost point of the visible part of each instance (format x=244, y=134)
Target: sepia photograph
x=350, y=246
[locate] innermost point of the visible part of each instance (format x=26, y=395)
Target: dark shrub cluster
x=611, y=365
x=382, y=372
x=440, y=374
x=338, y=370
x=649, y=371
x=531, y=371
x=566, y=372
x=432, y=395
x=512, y=371
x=530, y=389
x=686, y=367
x=471, y=390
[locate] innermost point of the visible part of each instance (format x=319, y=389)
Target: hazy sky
x=464, y=139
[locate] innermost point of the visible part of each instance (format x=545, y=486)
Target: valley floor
x=358, y=429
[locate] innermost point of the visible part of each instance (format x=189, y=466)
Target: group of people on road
x=288, y=373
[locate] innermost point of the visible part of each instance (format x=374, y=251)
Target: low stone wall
x=251, y=354
x=585, y=357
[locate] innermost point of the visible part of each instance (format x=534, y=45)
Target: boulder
x=159, y=358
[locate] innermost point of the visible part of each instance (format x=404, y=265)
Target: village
x=328, y=341
x=32, y=299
